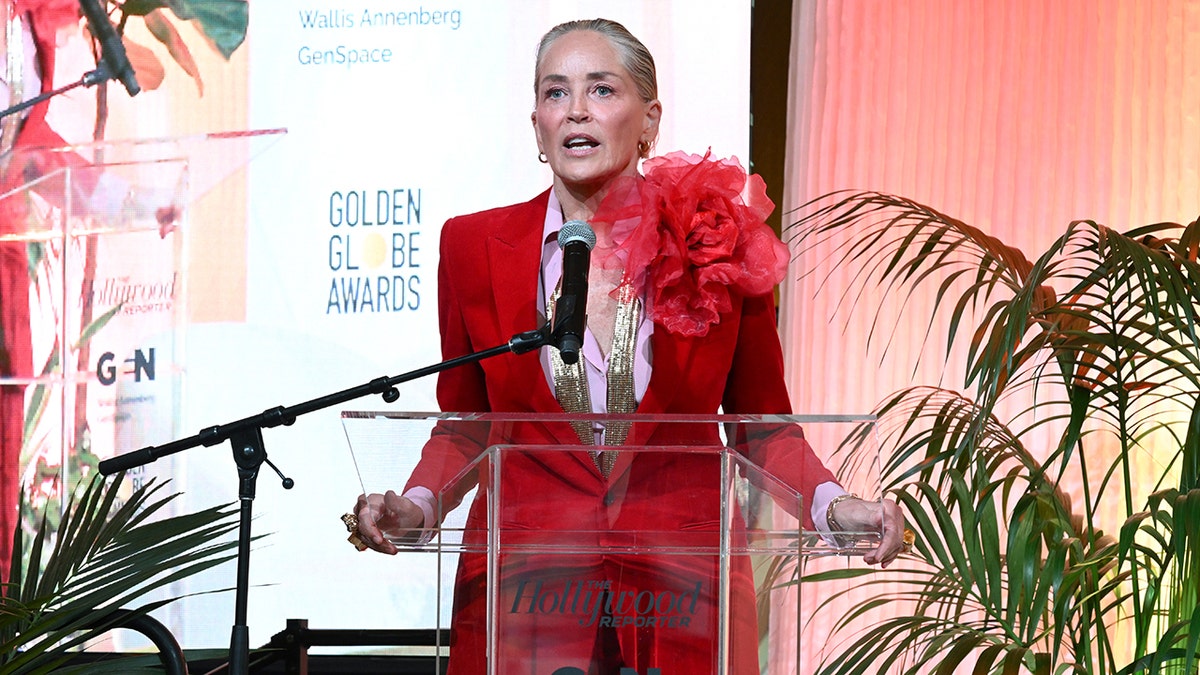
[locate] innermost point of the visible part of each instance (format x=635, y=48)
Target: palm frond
x=900, y=245
x=1095, y=344
x=107, y=554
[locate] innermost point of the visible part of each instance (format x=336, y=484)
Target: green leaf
x=223, y=22
x=97, y=325
x=141, y=7
x=107, y=555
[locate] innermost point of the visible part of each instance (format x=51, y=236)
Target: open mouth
x=580, y=142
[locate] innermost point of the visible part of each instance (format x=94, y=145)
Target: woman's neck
x=578, y=203
x=583, y=203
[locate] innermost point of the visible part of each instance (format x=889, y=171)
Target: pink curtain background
x=1016, y=117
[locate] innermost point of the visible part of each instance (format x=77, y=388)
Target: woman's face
x=589, y=117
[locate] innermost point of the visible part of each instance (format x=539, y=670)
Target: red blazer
x=488, y=292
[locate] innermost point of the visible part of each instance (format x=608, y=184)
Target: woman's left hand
x=885, y=517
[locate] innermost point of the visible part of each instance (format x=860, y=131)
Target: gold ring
x=351, y=522
x=910, y=538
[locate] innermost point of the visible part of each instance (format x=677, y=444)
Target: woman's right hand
x=383, y=517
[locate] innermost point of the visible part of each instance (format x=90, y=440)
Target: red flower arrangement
x=700, y=237
x=49, y=15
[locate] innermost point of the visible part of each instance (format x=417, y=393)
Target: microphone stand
x=89, y=79
x=249, y=453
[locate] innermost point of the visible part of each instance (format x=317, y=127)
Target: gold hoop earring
x=542, y=158
x=643, y=149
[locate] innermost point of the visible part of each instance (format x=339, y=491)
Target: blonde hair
x=633, y=54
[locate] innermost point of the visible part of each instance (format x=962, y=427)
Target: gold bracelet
x=834, y=525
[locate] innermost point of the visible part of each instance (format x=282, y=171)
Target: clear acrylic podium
x=94, y=272
x=684, y=558
x=94, y=316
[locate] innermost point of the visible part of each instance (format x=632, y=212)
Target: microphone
x=576, y=240
x=112, y=51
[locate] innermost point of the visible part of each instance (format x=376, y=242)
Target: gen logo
x=139, y=365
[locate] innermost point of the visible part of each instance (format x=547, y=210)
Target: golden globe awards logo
x=374, y=251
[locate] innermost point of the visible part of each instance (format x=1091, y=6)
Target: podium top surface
x=600, y=417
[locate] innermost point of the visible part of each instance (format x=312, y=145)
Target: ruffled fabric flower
x=698, y=238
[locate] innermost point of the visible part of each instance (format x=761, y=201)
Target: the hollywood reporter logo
x=596, y=604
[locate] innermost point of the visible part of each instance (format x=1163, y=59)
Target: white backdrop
x=430, y=119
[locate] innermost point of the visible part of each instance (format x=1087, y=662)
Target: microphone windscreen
x=576, y=230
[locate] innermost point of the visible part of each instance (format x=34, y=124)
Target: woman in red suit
x=680, y=320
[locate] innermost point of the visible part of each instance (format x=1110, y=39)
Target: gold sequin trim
x=570, y=381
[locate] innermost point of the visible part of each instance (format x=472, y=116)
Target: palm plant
x=1056, y=495
x=108, y=552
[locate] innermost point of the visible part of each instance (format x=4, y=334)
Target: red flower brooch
x=700, y=238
